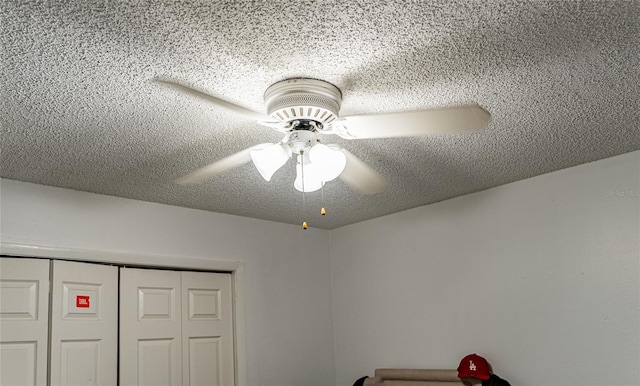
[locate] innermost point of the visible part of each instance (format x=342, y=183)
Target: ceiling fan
x=303, y=109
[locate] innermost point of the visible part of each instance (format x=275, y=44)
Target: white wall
x=539, y=276
x=286, y=270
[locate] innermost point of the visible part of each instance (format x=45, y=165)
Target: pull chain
x=304, y=204
x=322, y=211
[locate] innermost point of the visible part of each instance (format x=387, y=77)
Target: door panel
x=84, y=324
x=204, y=361
x=24, y=317
x=207, y=329
x=80, y=362
x=150, y=324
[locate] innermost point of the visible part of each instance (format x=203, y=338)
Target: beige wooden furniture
x=413, y=377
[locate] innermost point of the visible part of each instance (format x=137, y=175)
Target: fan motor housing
x=301, y=99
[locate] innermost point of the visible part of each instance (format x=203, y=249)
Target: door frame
x=142, y=260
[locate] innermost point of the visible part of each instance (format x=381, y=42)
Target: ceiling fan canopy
x=303, y=109
x=303, y=99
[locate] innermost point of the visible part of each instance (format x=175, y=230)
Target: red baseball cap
x=475, y=366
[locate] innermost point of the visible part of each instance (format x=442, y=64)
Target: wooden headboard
x=413, y=377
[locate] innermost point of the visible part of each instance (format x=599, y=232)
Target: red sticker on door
x=82, y=301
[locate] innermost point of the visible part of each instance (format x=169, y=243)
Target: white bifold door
x=24, y=321
x=84, y=324
x=81, y=346
x=176, y=328
x=70, y=323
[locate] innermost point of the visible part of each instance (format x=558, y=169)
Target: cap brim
x=479, y=376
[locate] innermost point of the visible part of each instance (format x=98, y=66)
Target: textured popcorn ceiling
x=560, y=78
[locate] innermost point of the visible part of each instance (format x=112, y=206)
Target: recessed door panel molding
x=84, y=324
x=150, y=327
x=205, y=361
x=18, y=300
x=156, y=303
x=18, y=363
x=204, y=304
x=81, y=300
x=24, y=318
x=156, y=361
x=80, y=362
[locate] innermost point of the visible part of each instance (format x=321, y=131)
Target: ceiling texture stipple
x=79, y=110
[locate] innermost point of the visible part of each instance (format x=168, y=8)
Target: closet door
x=84, y=324
x=207, y=329
x=24, y=317
x=150, y=332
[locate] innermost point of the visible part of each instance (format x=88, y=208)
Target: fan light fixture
x=332, y=160
x=316, y=163
x=269, y=159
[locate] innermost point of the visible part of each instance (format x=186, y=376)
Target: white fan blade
x=283, y=127
x=211, y=99
x=220, y=166
x=361, y=176
x=416, y=123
